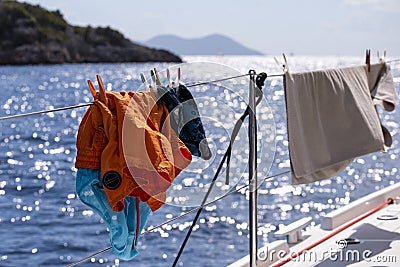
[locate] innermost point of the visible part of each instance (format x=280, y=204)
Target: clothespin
x=144, y=81
x=368, y=59
x=154, y=81
x=283, y=65
x=174, y=83
x=92, y=89
x=153, y=86
x=157, y=77
x=382, y=59
x=101, y=95
x=169, y=78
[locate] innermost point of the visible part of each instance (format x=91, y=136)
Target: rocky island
x=30, y=34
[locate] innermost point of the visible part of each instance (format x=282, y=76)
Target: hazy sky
x=334, y=27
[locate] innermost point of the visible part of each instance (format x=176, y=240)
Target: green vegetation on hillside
x=30, y=34
x=100, y=36
x=47, y=25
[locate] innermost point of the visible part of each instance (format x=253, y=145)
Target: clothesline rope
x=393, y=60
x=190, y=85
x=88, y=104
x=43, y=111
x=180, y=216
x=219, y=80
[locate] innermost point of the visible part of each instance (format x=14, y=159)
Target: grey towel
x=332, y=118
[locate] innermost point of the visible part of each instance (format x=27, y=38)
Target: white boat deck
x=376, y=242
x=379, y=243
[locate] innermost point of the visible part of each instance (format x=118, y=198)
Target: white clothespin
x=144, y=81
x=174, y=83
x=157, y=77
x=169, y=78
x=153, y=78
x=283, y=65
x=153, y=85
x=157, y=84
x=382, y=59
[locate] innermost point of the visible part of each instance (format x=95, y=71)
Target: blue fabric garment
x=123, y=224
x=185, y=119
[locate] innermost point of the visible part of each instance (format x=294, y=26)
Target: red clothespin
x=101, y=95
x=368, y=59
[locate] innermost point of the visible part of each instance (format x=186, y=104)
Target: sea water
x=43, y=223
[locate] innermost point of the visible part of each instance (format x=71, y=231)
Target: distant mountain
x=209, y=45
x=30, y=34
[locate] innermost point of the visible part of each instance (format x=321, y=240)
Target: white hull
x=376, y=241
